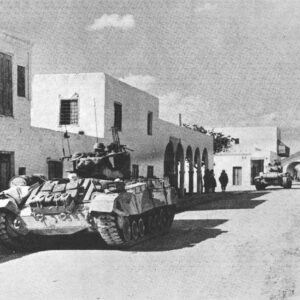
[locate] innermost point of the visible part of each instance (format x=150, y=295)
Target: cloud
x=142, y=82
x=206, y=7
x=121, y=22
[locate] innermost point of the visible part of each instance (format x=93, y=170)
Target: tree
x=221, y=142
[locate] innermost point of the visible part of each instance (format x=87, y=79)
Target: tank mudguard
x=9, y=205
x=103, y=202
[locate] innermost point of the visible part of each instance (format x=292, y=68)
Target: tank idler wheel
x=134, y=230
x=9, y=237
x=126, y=230
x=141, y=226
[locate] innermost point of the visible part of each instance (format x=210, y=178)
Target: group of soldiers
x=210, y=182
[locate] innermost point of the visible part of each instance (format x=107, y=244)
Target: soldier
x=99, y=150
x=223, y=180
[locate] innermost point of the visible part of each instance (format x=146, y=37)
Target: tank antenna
x=96, y=120
x=66, y=136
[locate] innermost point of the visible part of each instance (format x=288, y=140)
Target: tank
x=98, y=197
x=274, y=177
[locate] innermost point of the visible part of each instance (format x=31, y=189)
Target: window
x=22, y=171
x=237, y=176
x=6, y=98
x=135, y=171
x=150, y=172
x=68, y=112
x=55, y=169
x=21, y=81
x=149, y=123
x=118, y=116
x=236, y=141
x=6, y=169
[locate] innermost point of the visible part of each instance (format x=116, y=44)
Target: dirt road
x=244, y=246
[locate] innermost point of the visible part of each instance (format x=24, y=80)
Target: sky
x=218, y=63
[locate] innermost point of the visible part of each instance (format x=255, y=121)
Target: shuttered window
x=135, y=171
x=118, y=116
x=21, y=81
x=68, y=112
x=150, y=171
x=6, y=99
x=149, y=123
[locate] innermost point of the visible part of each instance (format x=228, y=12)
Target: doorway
x=237, y=176
x=6, y=169
x=257, y=166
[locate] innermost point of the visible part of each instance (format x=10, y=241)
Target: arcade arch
x=205, y=158
x=169, y=164
x=197, y=172
x=188, y=171
x=179, y=164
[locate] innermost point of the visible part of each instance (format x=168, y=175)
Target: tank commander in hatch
x=99, y=150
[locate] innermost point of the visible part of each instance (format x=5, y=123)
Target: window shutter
x=1, y=83
x=6, y=98
x=9, y=88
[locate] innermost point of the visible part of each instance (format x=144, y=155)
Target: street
x=242, y=245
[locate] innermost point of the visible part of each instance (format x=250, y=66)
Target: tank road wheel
x=126, y=230
x=9, y=236
x=156, y=222
x=141, y=226
x=149, y=223
x=134, y=230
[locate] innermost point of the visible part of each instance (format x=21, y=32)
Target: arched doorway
x=169, y=164
x=205, y=158
x=197, y=172
x=179, y=163
x=188, y=171
x=294, y=170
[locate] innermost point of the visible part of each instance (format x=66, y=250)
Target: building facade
x=92, y=103
x=252, y=150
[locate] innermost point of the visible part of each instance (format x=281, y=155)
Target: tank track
x=9, y=238
x=121, y=232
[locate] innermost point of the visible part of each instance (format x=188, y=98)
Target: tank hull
x=273, y=179
x=121, y=213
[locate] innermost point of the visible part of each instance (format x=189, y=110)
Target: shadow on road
x=243, y=200
x=183, y=234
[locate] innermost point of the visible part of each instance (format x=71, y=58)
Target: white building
x=23, y=149
x=92, y=103
x=254, y=148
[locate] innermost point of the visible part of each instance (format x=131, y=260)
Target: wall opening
x=189, y=171
x=6, y=86
x=55, y=169
x=169, y=164
x=68, y=112
x=6, y=169
x=197, y=172
x=237, y=176
x=118, y=116
x=205, y=158
x=180, y=169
